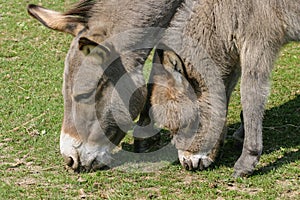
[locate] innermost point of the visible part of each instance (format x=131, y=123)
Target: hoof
x=245, y=166
x=241, y=173
x=144, y=145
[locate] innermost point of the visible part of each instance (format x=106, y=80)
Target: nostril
x=201, y=165
x=187, y=164
x=69, y=161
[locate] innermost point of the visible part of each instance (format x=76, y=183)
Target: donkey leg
x=256, y=67
x=239, y=134
x=145, y=135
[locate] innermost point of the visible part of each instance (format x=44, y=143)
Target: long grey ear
x=67, y=23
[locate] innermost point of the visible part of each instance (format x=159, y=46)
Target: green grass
x=31, y=67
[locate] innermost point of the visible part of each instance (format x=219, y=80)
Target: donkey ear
x=86, y=46
x=172, y=62
x=56, y=20
x=87, y=80
x=168, y=64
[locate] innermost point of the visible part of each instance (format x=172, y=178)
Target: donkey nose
x=69, y=161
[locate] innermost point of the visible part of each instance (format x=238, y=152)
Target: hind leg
x=239, y=134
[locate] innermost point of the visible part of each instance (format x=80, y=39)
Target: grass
x=31, y=67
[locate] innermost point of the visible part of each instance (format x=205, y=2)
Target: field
x=31, y=111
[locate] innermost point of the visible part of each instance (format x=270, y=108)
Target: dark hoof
x=144, y=145
x=241, y=171
x=240, y=174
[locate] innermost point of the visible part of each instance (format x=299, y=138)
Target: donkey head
x=180, y=105
x=103, y=89
x=173, y=99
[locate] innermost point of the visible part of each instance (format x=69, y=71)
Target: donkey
x=216, y=41
x=208, y=46
x=104, y=88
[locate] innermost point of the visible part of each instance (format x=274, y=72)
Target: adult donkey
x=211, y=45
x=104, y=88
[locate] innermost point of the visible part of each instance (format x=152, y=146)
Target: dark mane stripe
x=81, y=11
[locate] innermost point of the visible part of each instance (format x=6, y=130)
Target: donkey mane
x=81, y=11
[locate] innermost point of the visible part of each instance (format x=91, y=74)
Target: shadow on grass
x=281, y=130
x=160, y=154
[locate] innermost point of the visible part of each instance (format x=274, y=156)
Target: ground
x=31, y=67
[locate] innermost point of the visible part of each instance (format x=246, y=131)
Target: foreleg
x=256, y=67
x=145, y=134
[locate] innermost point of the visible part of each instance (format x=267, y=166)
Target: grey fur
x=219, y=41
x=104, y=88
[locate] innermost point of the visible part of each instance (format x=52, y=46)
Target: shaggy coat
x=218, y=42
x=104, y=88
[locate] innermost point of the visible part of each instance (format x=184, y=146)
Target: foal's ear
x=168, y=67
x=169, y=60
x=172, y=62
x=57, y=21
x=86, y=46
